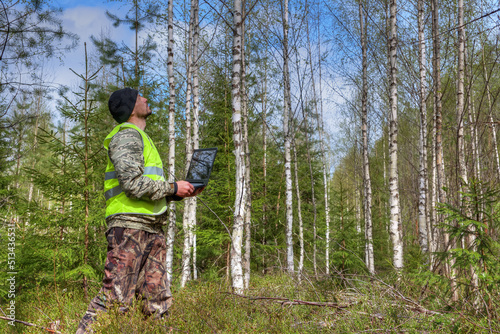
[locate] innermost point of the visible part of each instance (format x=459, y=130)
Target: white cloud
x=84, y=22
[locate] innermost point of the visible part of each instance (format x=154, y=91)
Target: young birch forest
x=356, y=185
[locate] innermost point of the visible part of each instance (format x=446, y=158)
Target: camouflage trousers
x=135, y=268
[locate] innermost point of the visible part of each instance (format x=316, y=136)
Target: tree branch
x=31, y=325
x=286, y=301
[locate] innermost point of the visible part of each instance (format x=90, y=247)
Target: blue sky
x=86, y=18
x=76, y=3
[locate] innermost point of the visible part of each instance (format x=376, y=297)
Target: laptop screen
x=201, y=164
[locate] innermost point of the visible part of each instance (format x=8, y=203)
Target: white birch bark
x=311, y=171
x=239, y=152
x=367, y=187
x=286, y=132
x=299, y=213
x=473, y=121
x=448, y=263
x=493, y=125
x=395, y=218
x=172, y=214
x=38, y=108
x=460, y=114
x=477, y=176
x=305, y=121
x=460, y=104
x=264, y=161
x=433, y=247
x=422, y=201
x=474, y=140
x=248, y=204
x=324, y=166
x=196, y=121
x=186, y=252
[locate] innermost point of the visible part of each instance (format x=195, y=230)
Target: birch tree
x=172, y=214
x=264, y=156
x=196, y=129
x=305, y=122
x=460, y=114
x=248, y=204
x=367, y=187
x=492, y=123
x=422, y=201
x=286, y=132
x=440, y=175
x=239, y=152
x=324, y=166
x=299, y=213
x=395, y=218
x=188, y=203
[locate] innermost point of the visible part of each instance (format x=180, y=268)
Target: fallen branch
x=287, y=301
x=32, y=325
x=398, y=295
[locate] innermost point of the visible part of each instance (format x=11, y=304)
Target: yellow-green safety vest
x=116, y=200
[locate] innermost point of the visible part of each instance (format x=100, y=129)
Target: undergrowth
x=273, y=304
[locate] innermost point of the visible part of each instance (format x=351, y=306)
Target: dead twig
x=31, y=325
x=287, y=301
x=398, y=295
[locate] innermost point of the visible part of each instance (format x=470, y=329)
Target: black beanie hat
x=121, y=103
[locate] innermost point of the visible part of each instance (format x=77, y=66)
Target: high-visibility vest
x=116, y=200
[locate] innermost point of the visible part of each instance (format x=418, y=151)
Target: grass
x=273, y=304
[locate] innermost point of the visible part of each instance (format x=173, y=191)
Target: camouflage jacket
x=126, y=154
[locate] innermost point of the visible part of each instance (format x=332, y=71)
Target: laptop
x=200, y=167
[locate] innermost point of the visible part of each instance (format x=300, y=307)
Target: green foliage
x=131, y=61
x=474, y=224
x=34, y=29
x=273, y=304
x=66, y=173
x=6, y=162
x=347, y=254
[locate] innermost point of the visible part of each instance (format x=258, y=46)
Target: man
x=136, y=209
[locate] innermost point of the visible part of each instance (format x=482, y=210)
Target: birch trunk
x=38, y=109
x=264, y=162
x=305, y=121
x=460, y=114
x=248, y=204
x=196, y=122
x=311, y=171
x=422, y=202
x=493, y=125
x=186, y=252
x=473, y=121
x=367, y=188
x=433, y=195
x=172, y=214
x=448, y=263
x=324, y=166
x=477, y=176
x=460, y=104
x=239, y=152
x=286, y=131
x=395, y=218
x=299, y=213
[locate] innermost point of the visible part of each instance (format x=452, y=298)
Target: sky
x=85, y=18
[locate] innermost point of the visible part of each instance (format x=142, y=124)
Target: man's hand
x=197, y=192
x=184, y=189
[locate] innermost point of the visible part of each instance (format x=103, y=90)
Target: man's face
x=141, y=107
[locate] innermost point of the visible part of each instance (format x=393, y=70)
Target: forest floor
x=273, y=304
